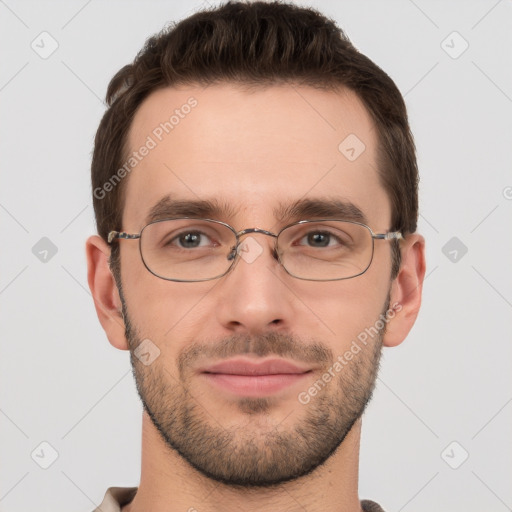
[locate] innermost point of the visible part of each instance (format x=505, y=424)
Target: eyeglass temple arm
x=120, y=234
x=392, y=235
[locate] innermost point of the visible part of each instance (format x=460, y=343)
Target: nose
x=254, y=297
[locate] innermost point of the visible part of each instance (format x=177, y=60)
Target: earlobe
x=104, y=291
x=406, y=290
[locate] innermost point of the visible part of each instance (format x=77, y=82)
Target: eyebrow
x=302, y=209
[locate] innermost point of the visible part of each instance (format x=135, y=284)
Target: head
x=261, y=114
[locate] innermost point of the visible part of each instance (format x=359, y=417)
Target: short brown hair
x=256, y=43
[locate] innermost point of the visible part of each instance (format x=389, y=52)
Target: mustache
x=266, y=344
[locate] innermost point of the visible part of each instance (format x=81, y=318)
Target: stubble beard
x=262, y=450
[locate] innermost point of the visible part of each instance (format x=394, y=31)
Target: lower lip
x=254, y=385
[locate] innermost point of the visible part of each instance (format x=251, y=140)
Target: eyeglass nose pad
x=234, y=249
x=232, y=254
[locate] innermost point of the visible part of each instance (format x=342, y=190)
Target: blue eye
x=190, y=240
x=321, y=239
x=318, y=239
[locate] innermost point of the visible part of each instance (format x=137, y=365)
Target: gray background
x=63, y=384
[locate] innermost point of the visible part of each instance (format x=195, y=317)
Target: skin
x=253, y=150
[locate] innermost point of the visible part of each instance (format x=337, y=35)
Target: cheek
x=344, y=309
x=162, y=309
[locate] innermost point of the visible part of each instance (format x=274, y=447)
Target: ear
x=406, y=289
x=104, y=291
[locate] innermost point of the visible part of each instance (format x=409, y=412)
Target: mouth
x=247, y=378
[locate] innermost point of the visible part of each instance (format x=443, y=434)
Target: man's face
x=254, y=152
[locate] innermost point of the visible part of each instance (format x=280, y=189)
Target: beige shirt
x=116, y=497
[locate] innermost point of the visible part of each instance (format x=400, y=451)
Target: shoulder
x=371, y=506
x=115, y=498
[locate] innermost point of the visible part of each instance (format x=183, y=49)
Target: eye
x=321, y=239
x=318, y=239
x=190, y=240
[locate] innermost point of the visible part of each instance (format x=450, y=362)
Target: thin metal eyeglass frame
x=122, y=235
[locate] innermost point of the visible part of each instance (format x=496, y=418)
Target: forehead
x=254, y=152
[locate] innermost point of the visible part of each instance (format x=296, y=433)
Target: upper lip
x=246, y=367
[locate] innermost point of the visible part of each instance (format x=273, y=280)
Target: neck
x=168, y=483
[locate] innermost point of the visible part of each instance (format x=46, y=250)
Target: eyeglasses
x=189, y=250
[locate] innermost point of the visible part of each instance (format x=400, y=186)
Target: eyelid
x=195, y=229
